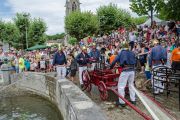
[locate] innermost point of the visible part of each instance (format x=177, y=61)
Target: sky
x=52, y=11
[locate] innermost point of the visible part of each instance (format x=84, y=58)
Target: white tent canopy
x=148, y=22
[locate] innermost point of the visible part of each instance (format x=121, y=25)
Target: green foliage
x=139, y=20
x=55, y=46
x=2, y=30
x=35, y=29
x=80, y=24
x=56, y=36
x=9, y=33
x=171, y=10
x=72, y=41
x=142, y=7
x=37, y=32
x=22, y=21
x=111, y=17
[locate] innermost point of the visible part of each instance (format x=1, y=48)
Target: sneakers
x=155, y=93
x=124, y=105
x=120, y=104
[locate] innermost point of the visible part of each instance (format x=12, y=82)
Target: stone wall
x=70, y=100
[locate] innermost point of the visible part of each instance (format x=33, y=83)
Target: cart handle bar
x=146, y=117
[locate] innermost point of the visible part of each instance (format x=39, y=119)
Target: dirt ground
x=119, y=113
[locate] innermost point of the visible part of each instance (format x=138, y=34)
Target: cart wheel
x=86, y=81
x=103, y=90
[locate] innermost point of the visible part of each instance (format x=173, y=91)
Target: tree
x=171, y=10
x=22, y=21
x=2, y=30
x=9, y=33
x=111, y=17
x=56, y=36
x=32, y=31
x=139, y=20
x=72, y=41
x=37, y=32
x=80, y=24
x=143, y=7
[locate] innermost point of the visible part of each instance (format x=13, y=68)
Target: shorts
x=73, y=73
x=148, y=75
x=142, y=61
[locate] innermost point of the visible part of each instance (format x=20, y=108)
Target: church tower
x=72, y=5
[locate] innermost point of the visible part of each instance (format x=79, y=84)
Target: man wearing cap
x=157, y=57
x=60, y=62
x=82, y=59
x=95, y=55
x=127, y=61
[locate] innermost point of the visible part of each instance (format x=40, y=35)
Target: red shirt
x=89, y=40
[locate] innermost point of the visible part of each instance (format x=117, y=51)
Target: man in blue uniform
x=157, y=57
x=82, y=60
x=127, y=61
x=60, y=62
x=95, y=55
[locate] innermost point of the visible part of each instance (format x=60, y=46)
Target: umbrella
x=36, y=47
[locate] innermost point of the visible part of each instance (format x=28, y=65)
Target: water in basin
x=28, y=108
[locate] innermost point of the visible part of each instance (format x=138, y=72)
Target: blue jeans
x=17, y=69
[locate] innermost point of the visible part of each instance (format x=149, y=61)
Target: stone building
x=72, y=5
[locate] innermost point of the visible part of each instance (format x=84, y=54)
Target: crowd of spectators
x=140, y=41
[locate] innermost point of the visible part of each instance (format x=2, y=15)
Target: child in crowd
x=42, y=64
x=147, y=73
x=33, y=65
x=73, y=67
x=168, y=64
x=51, y=64
x=68, y=66
x=112, y=57
x=108, y=58
x=27, y=64
x=21, y=65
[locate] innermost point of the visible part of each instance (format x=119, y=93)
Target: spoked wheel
x=103, y=90
x=86, y=81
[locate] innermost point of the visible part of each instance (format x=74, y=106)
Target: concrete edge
x=70, y=100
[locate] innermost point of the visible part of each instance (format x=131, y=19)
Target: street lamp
x=26, y=39
x=25, y=15
x=152, y=9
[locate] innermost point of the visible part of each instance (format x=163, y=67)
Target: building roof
x=55, y=41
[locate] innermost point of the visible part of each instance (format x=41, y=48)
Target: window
x=74, y=7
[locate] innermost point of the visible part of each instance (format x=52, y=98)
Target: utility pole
x=26, y=38
x=26, y=25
